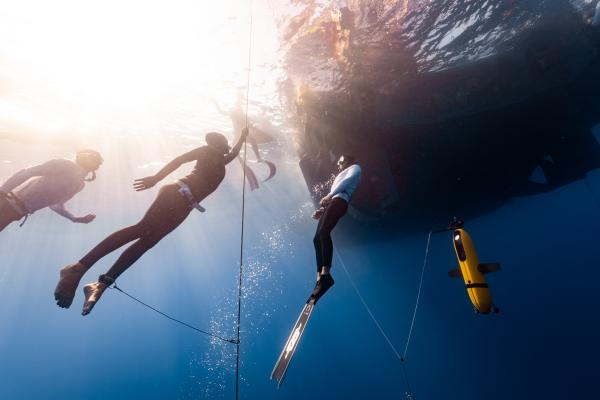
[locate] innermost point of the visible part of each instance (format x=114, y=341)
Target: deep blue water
x=543, y=344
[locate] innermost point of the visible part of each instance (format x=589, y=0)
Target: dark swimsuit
x=167, y=212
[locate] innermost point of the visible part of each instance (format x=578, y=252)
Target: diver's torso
x=63, y=180
x=353, y=173
x=208, y=173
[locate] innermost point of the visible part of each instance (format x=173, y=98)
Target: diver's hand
x=245, y=133
x=145, y=183
x=325, y=201
x=85, y=220
x=318, y=213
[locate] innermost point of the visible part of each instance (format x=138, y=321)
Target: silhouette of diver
x=255, y=137
x=333, y=207
x=171, y=207
x=51, y=185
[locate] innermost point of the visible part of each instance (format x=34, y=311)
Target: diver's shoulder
x=201, y=151
x=355, y=168
x=61, y=163
x=208, y=153
x=205, y=149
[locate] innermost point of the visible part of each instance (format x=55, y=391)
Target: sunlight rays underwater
x=101, y=68
x=137, y=80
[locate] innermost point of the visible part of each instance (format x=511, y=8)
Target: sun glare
x=132, y=66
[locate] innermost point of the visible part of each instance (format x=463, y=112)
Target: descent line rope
x=214, y=335
x=239, y=310
x=402, y=358
x=378, y=325
x=412, y=323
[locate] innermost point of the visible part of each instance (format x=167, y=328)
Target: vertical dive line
x=239, y=311
x=412, y=323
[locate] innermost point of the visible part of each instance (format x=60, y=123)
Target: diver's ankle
x=106, y=280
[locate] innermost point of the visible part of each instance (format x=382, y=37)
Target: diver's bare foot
x=92, y=292
x=67, y=284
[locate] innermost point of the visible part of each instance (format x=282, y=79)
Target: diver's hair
x=349, y=158
x=215, y=137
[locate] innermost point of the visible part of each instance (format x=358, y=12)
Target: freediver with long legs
x=51, y=185
x=171, y=207
x=333, y=207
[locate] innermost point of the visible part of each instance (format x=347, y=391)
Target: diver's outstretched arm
x=61, y=210
x=150, y=181
x=24, y=175
x=238, y=146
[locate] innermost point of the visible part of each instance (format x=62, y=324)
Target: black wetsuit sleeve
x=235, y=151
x=190, y=156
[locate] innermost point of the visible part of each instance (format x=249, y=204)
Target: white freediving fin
x=455, y=273
x=487, y=268
x=292, y=343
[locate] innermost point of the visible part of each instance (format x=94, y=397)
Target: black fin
x=272, y=169
x=487, y=268
x=324, y=283
x=455, y=273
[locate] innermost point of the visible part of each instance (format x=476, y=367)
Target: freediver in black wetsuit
x=171, y=207
x=333, y=207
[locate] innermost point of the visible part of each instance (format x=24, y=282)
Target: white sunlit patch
x=457, y=238
x=152, y=165
x=130, y=66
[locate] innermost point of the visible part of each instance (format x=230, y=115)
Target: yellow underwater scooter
x=471, y=270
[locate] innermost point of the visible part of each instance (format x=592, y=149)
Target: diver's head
x=345, y=161
x=218, y=142
x=90, y=161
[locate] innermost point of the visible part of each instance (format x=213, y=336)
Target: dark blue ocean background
x=542, y=345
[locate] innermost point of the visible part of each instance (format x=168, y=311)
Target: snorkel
x=90, y=161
